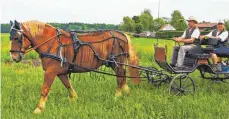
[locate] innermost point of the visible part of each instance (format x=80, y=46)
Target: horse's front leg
x=122, y=84
x=49, y=77
x=64, y=79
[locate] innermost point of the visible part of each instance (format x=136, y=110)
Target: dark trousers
x=180, y=52
x=221, y=51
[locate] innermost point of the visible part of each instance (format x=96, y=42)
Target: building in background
x=145, y=34
x=207, y=26
x=167, y=27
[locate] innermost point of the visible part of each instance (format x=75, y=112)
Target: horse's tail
x=133, y=60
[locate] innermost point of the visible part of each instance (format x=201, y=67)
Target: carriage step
x=184, y=70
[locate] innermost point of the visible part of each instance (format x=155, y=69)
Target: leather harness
x=110, y=62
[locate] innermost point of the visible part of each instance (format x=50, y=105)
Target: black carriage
x=180, y=80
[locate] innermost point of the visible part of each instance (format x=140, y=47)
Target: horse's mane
x=35, y=27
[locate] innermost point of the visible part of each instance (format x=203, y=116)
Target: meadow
x=21, y=84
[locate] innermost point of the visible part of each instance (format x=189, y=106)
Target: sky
x=108, y=11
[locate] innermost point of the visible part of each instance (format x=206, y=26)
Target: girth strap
x=75, y=40
x=60, y=46
x=111, y=56
x=76, y=44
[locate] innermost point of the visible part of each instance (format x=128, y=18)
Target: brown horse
x=42, y=37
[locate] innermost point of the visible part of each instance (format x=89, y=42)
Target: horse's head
x=19, y=41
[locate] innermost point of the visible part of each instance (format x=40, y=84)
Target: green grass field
x=21, y=84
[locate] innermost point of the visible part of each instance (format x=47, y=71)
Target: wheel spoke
x=188, y=86
x=180, y=82
x=178, y=93
x=184, y=83
x=176, y=84
x=188, y=90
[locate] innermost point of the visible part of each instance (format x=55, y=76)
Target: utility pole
x=158, y=15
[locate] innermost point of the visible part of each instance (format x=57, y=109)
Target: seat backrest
x=160, y=53
x=209, y=41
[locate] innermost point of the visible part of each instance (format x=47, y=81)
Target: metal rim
x=182, y=84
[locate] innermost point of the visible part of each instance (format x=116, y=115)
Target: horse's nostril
x=16, y=60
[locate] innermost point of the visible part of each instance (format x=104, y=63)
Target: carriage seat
x=200, y=53
x=199, y=56
x=203, y=52
x=210, y=43
x=208, y=49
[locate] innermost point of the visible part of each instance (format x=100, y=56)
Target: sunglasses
x=220, y=23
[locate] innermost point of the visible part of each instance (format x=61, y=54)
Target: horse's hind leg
x=64, y=79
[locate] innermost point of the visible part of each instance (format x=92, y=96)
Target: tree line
x=146, y=22
x=70, y=26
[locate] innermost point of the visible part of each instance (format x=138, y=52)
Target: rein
x=34, y=48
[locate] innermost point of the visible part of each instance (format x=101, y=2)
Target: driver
x=222, y=48
x=190, y=34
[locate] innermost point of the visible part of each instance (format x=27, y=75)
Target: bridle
x=19, y=40
x=32, y=47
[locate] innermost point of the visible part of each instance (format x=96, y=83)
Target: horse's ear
x=11, y=23
x=17, y=24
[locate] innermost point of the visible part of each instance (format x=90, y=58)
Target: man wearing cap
x=189, y=36
x=221, y=35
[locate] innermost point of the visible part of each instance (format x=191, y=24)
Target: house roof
x=167, y=27
x=163, y=26
x=206, y=25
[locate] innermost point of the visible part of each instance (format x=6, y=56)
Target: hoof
x=126, y=89
x=38, y=111
x=73, y=99
x=73, y=95
x=118, y=93
x=116, y=97
x=128, y=93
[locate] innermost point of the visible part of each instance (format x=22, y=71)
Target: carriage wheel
x=181, y=85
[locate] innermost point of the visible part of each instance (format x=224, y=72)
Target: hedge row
x=171, y=34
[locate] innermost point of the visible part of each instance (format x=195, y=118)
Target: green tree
x=146, y=20
x=178, y=21
x=166, y=19
x=147, y=11
x=136, y=19
x=138, y=28
x=128, y=24
x=158, y=23
x=226, y=24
